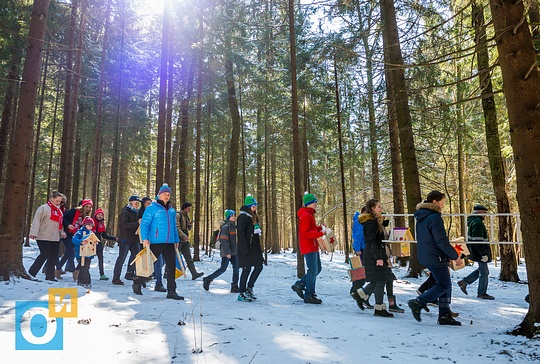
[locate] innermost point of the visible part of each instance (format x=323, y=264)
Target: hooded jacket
x=476, y=231
x=128, y=223
x=158, y=224
x=308, y=231
x=78, y=238
x=357, y=234
x=227, y=238
x=434, y=248
x=249, y=243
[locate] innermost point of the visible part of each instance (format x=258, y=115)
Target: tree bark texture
x=403, y=115
x=508, y=271
x=521, y=82
x=20, y=151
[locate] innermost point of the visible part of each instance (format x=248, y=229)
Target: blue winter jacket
x=434, y=248
x=158, y=224
x=357, y=234
x=78, y=238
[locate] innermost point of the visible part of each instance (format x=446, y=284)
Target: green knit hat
x=250, y=201
x=228, y=214
x=309, y=199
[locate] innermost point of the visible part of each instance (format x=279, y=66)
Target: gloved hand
x=257, y=229
x=484, y=258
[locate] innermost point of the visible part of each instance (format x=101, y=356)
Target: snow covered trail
x=116, y=326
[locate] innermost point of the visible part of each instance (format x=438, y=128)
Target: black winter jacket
x=375, y=250
x=249, y=244
x=128, y=223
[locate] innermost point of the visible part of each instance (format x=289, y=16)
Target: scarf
x=77, y=221
x=56, y=214
x=99, y=226
x=129, y=206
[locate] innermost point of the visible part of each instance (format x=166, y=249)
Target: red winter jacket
x=308, y=231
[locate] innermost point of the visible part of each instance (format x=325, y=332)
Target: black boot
x=392, y=305
x=298, y=289
x=174, y=296
x=206, y=283
x=197, y=275
x=234, y=288
x=159, y=288
x=136, y=288
x=416, y=307
x=358, y=299
x=380, y=310
x=447, y=319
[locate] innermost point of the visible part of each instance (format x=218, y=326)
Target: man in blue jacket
x=160, y=234
x=480, y=253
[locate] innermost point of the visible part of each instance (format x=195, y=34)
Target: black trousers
x=84, y=271
x=169, y=254
x=48, y=252
x=99, y=253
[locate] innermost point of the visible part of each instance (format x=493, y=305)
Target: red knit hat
x=99, y=211
x=87, y=201
x=88, y=221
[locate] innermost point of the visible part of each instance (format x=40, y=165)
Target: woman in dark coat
x=249, y=248
x=378, y=273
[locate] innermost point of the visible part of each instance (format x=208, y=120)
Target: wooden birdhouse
x=88, y=249
x=144, y=263
x=400, y=245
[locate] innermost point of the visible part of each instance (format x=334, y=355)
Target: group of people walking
x=156, y=225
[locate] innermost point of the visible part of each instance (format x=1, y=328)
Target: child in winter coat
x=101, y=233
x=227, y=251
x=80, y=238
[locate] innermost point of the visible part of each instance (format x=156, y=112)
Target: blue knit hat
x=229, y=213
x=250, y=201
x=309, y=199
x=164, y=188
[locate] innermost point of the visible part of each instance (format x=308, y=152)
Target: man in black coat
x=128, y=241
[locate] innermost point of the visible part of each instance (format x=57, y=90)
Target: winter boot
x=380, y=310
x=117, y=282
x=485, y=296
x=358, y=299
x=159, y=288
x=367, y=304
x=463, y=285
x=136, y=288
x=416, y=307
x=298, y=289
x=312, y=299
x=249, y=293
x=197, y=275
x=76, y=275
x=234, y=288
x=129, y=276
x=243, y=297
x=103, y=277
x=447, y=319
x=392, y=305
x=453, y=314
x=174, y=296
x=58, y=274
x=206, y=283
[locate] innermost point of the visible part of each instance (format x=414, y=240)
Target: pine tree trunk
x=188, y=77
x=68, y=129
x=35, y=155
x=162, y=115
x=298, y=157
x=96, y=159
x=508, y=271
x=9, y=100
x=198, y=130
x=521, y=82
x=53, y=136
x=232, y=156
x=403, y=115
x=20, y=151
x=169, y=119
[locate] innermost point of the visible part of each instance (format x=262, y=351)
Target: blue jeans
x=224, y=264
x=442, y=290
x=124, y=247
x=313, y=263
x=158, y=269
x=69, y=254
x=482, y=273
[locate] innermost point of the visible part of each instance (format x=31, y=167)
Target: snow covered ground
x=276, y=328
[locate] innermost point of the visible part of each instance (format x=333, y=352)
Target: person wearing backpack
x=227, y=251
